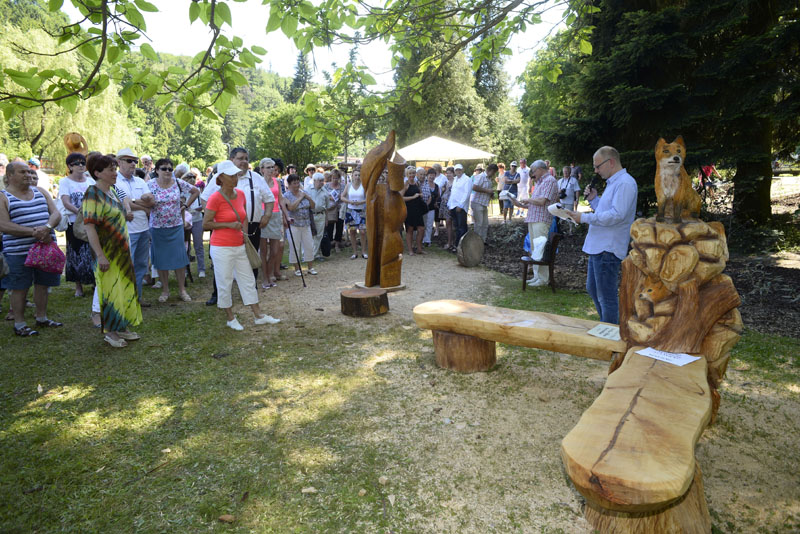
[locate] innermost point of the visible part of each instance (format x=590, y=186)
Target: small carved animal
x=674, y=192
x=654, y=290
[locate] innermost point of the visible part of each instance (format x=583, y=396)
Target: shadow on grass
x=189, y=423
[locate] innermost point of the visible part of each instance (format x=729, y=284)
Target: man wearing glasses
x=141, y=201
x=609, y=231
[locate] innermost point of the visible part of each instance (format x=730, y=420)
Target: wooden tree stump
x=688, y=515
x=470, y=249
x=466, y=354
x=364, y=302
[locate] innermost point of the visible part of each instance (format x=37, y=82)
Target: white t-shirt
x=261, y=193
x=440, y=181
x=75, y=191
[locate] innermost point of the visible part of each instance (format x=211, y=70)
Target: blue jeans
x=460, y=222
x=140, y=254
x=602, y=283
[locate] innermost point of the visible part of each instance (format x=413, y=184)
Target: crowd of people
x=129, y=222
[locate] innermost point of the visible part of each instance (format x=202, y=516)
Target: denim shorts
x=21, y=277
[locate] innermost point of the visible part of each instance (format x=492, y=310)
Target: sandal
x=130, y=336
x=283, y=278
x=48, y=322
x=25, y=331
x=10, y=316
x=185, y=297
x=116, y=343
x=163, y=298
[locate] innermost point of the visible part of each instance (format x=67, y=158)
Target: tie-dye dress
x=119, y=304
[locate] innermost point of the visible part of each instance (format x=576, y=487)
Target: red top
x=226, y=237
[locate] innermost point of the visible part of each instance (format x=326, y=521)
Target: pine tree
x=302, y=78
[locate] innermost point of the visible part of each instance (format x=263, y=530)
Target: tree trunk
x=753, y=180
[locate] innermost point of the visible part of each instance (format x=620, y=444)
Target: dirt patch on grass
x=481, y=452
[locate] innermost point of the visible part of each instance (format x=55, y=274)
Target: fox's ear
x=679, y=140
x=661, y=142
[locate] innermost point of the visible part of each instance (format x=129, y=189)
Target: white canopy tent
x=437, y=149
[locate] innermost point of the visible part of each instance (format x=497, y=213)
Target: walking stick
x=294, y=246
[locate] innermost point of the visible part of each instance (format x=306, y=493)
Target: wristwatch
x=48, y=226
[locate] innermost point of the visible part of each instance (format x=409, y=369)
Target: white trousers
x=428, y=218
x=304, y=243
x=230, y=263
x=319, y=222
x=539, y=229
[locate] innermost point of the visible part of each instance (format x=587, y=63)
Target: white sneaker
x=266, y=319
x=532, y=281
x=234, y=324
x=201, y=274
x=157, y=285
x=538, y=283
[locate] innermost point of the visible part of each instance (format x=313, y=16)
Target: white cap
x=317, y=176
x=459, y=166
x=126, y=152
x=514, y=164
x=227, y=167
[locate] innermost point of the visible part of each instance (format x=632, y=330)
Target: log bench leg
x=688, y=515
x=462, y=353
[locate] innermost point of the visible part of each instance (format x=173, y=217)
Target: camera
x=562, y=194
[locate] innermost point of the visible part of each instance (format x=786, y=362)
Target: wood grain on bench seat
x=517, y=327
x=633, y=449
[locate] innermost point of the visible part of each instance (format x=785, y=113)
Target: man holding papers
x=609, y=231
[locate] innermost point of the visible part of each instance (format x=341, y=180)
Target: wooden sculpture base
x=392, y=289
x=360, y=302
x=688, y=515
x=466, y=354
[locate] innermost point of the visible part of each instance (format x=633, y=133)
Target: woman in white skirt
x=225, y=211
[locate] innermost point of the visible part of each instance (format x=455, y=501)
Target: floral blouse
x=301, y=213
x=167, y=211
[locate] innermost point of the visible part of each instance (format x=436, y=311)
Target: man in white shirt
x=258, y=201
x=458, y=204
x=141, y=200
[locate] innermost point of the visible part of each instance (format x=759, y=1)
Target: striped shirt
x=546, y=188
x=481, y=181
x=30, y=213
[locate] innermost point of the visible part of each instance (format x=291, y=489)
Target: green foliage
x=711, y=71
x=447, y=106
x=274, y=137
x=302, y=78
x=111, y=29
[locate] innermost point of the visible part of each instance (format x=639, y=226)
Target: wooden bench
x=464, y=333
x=631, y=455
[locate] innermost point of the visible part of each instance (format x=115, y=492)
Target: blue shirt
x=614, y=212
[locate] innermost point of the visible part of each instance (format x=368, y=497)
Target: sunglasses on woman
x=165, y=169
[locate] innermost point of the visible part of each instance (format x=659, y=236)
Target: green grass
x=165, y=437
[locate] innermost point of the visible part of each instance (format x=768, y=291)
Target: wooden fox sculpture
x=676, y=197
